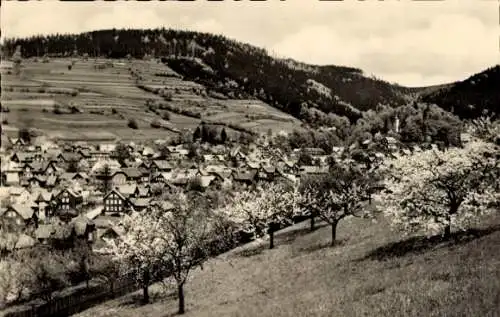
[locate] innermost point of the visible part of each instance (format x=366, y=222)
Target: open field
x=373, y=272
x=107, y=96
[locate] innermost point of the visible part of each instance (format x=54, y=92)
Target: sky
x=401, y=41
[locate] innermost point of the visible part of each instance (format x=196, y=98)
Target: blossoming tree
x=341, y=193
x=267, y=207
x=434, y=190
x=173, y=237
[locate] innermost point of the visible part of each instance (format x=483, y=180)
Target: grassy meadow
x=372, y=272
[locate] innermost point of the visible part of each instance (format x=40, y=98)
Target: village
x=56, y=191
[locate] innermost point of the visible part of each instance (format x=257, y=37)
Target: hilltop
x=471, y=97
x=233, y=69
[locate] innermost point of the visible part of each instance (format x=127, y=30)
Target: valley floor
x=372, y=272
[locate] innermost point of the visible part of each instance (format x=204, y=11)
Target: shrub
x=57, y=109
x=133, y=124
x=70, y=66
x=155, y=124
x=4, y=121
x=114, y=111
x=166, y=116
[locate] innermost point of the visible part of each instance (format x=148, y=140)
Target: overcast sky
x=411, y=43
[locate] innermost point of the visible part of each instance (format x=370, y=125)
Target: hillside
x=235, y=69
x=373, y=272
x=93, y=100
x=471, y=97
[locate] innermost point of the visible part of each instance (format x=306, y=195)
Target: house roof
x=22, y=156
x=206, y=180
x=51, y=180
x=244, y=176
x=80, y=224
x=162, y=164
x=306, y=169
x=140, y=202
x=25, y=211
x=92, y=214
x=24, y=241
x=106, y=221
x=132, y=172
x=117, y=192
x=127, y=190
x=44, y=231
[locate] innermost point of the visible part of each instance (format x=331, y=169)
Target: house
x=267, y=173
x=22, y=157
x=42, y=206
x=67, y=201
x=132, y=174
x=119, y=178
x=162, y=178
x=245, y=177
x=19, y=195
x=67, y=157
x=140, y=204
x=309, y=170
x=84, y=228
x=21, y=215
x=17, y=143
x=160, y=166
x=115, y=203
x=129, y=190
x=44, y=233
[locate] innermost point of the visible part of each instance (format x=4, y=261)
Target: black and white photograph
x=277, y=158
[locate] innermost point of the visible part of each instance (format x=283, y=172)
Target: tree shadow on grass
x=322, y=245
x=420, y=244
x=135, y=300
x=280, y=238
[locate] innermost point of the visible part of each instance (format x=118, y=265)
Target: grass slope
x=373, y=272
x=108, y=97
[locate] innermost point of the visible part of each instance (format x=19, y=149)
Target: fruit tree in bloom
x=436, y=190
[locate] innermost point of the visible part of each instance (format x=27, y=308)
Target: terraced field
x=95, y=99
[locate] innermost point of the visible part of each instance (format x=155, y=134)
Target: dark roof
x=244, y=176
x=162, y=164
x=132, y=172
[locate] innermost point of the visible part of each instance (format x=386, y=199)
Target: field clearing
x=41, y=85
x=371, y=272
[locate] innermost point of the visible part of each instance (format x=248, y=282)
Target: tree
x=305, y=159
x=14, y=278
x=104, y=268
x=73, y=165
x=122, y=153
x=335, y=196
x=25, y=135
x=223, y=136
x=48, y=274
x=105, y=176
x=267, y=207
x=174, y=237
x=132, y=123
x=434, y=190
x=197, y=134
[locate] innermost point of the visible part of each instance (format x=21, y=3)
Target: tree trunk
x=447, y=231
x=312, y=223
x=145, y=287
x=180, y=295
x=271, y=237
x=334, y=232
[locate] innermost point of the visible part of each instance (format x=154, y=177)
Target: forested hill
x=472, y=97
x=233, y=68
